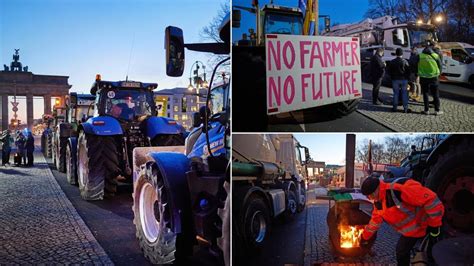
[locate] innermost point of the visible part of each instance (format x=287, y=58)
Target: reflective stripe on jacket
x=407, y=206
x=427, y=66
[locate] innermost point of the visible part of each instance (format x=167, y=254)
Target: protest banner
x=309, y=71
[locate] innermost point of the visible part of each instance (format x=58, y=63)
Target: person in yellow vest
x=429, y=68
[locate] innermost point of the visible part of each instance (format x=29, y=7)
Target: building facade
x=180, y=104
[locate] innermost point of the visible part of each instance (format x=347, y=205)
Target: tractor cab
x=282, y=20
x=124, y=100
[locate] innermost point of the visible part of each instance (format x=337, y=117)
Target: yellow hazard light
x=98, y=77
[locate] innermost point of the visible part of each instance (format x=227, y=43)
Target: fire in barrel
x=346, y=222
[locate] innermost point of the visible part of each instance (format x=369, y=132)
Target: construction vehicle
x=78, y=108
x=124, y=118
x=268, y=180
x=457, y=62
x=385, y=32
x=180, y=201
x=249, y=68
x=444, y=164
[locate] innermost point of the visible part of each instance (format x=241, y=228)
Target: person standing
x=6, y=140
x=429, y=68
x=377, y=70
x=414, y=78
x=399, y=71
x=30, y=147
x=20, y=145
x=411, y=209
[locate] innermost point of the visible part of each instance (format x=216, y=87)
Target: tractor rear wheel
x=98, y=166
x=152, y=218
x=452, y=178
x=71, y=173
x=61, y=154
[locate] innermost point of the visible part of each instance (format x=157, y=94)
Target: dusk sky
x=340, y=11
x=81, y=38
x=331, y=148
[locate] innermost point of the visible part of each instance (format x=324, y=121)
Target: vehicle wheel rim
x=292, y=205
x=258, y=226
x=149, y=212
x=458, y=201
x=82, y=158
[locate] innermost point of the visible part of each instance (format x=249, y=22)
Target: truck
x=78, y=108
x=250, y=63
x=268, y=181
x=444, y=164
x=124, y=118
x=385, y=32
x=180, y=197
x=457, y=62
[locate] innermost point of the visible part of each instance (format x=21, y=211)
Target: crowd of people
x=419, y=75
x=25, y=146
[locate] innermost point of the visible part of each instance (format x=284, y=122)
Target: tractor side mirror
x=174, y=45
x=197, y=119
x=236, y=18
x=306, y=155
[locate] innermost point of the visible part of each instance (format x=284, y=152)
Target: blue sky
x=331, y=148
x=340, y=11
x=80, y=38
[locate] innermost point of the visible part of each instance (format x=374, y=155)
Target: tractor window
x=283, y=24
x=128, y=104
x=81, y=112
x=218, y=99
x=400, y=37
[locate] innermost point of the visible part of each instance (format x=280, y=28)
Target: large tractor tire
x=224, y=214
x=255, y=224
x=152, y=218
x=291, y=206
x=98, y=166
x=71, y=172
x=61, y=154
x=452, y=178
x=167, y=140
x=49, y=145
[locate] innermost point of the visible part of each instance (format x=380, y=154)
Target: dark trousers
x=29, y=154
x=5, y=156
x=376, y=83
x=430, y=85
x=404, y=246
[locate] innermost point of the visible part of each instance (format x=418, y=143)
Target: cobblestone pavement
x=457, y=117
x=38, y=224
x=318, y=248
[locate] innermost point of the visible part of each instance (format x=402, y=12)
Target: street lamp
x=419, y=21
x=439, y=19
x=198, y=82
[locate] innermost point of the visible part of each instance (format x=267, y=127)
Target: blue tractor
x=181, y=207
x=124, y=118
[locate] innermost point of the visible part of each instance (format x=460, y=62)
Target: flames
x=350, y=235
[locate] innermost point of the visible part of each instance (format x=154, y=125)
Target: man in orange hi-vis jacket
x=410, y=208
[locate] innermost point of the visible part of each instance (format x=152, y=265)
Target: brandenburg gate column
x=47, y=104
x=29, y=110
x=5, y=121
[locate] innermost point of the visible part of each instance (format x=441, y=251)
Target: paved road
x=38, y=224
x=456, y=104
x=110, y=220
x=456, y=101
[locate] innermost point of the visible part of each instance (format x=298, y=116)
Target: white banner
x=309, y=71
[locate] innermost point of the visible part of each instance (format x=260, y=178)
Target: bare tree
x=380, y=8
x=210, y=33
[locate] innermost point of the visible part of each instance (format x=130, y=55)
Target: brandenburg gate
x=17, y=80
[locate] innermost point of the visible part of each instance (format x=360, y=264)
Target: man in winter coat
x=20, y=145
x=6, y=140
x=399, y=72
x=429, y=68
x=377, y=70
x=410, y=208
